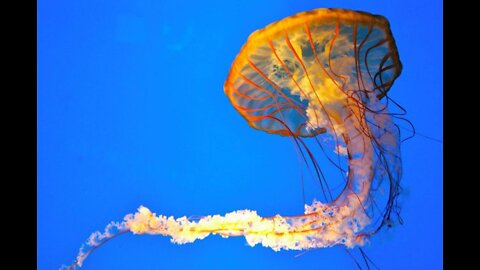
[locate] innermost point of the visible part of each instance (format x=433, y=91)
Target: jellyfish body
x=319, y=73
x=325, y=72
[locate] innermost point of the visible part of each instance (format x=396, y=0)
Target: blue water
x=131, y=111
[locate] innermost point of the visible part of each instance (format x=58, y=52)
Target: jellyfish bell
x=310, y=64
x=319, y=73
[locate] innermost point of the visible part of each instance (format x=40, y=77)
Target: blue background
x=131, y=111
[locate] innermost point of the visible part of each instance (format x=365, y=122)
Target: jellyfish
x=322, y=74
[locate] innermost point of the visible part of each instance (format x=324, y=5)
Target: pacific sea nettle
x=319, y=73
